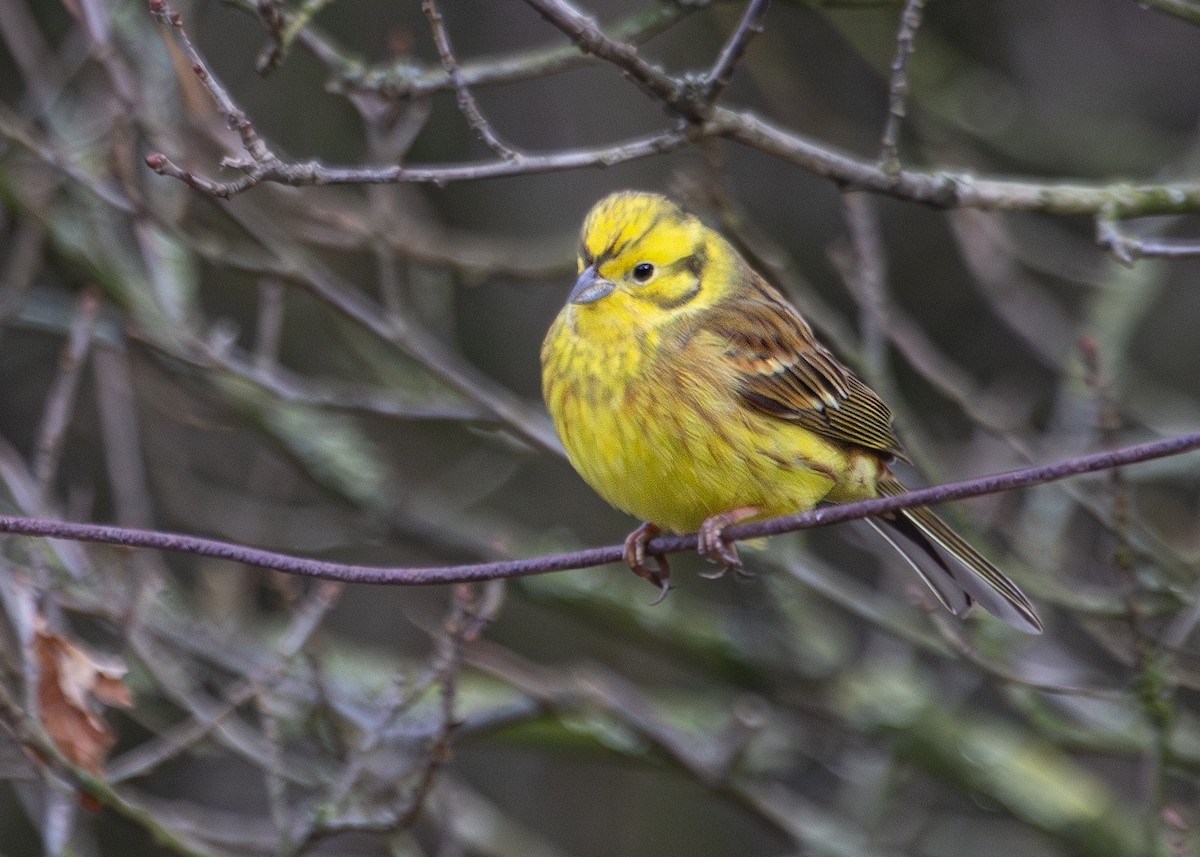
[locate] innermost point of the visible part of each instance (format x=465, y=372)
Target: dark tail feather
x=927, y=542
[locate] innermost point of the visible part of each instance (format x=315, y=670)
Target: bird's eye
x=643, y=271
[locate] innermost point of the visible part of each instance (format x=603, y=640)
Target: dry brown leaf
x=72, y=685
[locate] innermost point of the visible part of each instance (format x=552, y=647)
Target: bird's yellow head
x=643, y=260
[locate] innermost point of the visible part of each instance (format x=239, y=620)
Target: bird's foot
x=635, y=557
x=711, y=543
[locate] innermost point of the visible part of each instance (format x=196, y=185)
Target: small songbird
x=688, y=392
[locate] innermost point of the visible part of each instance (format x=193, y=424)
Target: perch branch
x=820, y=517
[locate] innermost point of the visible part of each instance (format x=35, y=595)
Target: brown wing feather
x=786, y=373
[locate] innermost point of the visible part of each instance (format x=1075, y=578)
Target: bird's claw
x=739, y=571
x=635, y=557
x=711, y=544
x=664, y=587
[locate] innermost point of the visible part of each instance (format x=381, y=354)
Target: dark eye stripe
x=675, y=303
x=693, y=264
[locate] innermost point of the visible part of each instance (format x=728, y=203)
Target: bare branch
x=589, y=38
x=466, y=101
x=910, y=20
x=316, y=173
x=866, y=276
x=60, y=401
x=947, y=189
x=402, y=81
x=116, y=402
x=264, y=165
x=819, y=517
x=33, y=736
x=289, y=387
x=233, y=115
x=1128, y=249
x=944, y=189
x=748, y=27
x=11, y=128
x=24, y=260
x=269, y=327
x=274, y=21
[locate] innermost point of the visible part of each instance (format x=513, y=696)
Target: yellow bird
x=688, y=392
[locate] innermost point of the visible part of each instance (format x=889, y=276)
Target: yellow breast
x=658, y=432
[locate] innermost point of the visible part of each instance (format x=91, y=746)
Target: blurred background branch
x=312, y=326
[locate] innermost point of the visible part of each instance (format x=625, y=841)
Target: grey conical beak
x=590, y=287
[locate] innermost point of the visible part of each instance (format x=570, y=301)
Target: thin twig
x=910, y=21
x=264, y=165
x=1128, y=249
x=590, y=39
x=748, y=27
x=226, y=106
x=116, y=402
x=449, y=663
x=466, y=101
x=268, y=324
x=1154, y=692
x=951, y=634
x=276, y=785
x=941, y=188
x=175, y=679
x=400, y=81
x=403, y=576
x=60, y=401
x=867, y=278
x=956, y=190
x=296, y=389
x=944, y=189
x=33, y=736
x=316, y=173
x=407, y=334
x=13, y=129
x=306, y=618
x=463, y=625
x=23, y=261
